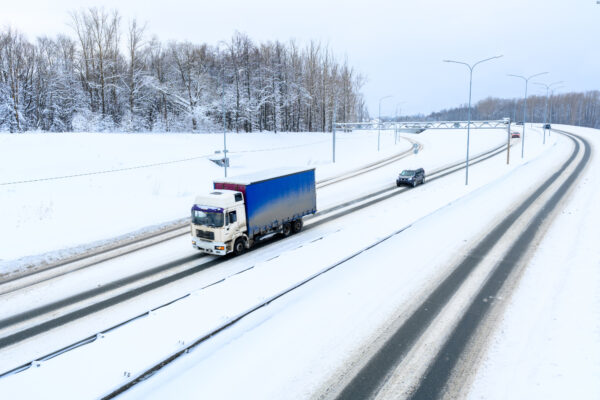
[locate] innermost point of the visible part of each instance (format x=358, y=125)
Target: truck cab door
x=232, y=223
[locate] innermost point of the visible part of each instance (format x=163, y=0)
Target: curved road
x=368, y=382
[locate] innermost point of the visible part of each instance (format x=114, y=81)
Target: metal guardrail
x=420, y=126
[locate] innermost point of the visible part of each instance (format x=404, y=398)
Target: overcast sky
x=398, y=45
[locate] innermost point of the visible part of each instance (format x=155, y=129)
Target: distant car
x=411, y=177
x=520, y=123
x=515, y=135
x=547, y=126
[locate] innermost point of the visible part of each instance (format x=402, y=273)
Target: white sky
x=399, y=45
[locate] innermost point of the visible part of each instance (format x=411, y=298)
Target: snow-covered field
x=64, y=193
x=60, y=191
x=547, y=344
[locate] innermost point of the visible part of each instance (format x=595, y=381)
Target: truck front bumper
x=216, y=248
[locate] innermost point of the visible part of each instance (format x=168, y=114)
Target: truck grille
x=205, y=234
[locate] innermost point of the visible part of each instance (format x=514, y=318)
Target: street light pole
x=379, y=122
x=552, y=95
x=396, y=125
x=525, y=107
x=471, y=67
x=547, y=97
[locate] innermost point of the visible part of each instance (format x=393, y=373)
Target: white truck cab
x=218, y=221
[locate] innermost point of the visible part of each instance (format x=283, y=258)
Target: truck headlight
x=219, y=247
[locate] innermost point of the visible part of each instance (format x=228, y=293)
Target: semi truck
x=244, y=210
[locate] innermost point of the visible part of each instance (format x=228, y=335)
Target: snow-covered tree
x=96, y=81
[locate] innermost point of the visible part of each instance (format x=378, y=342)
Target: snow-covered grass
x=62, y=194
x=76, y=189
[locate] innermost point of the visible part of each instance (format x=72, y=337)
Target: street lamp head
x=487, y=59
x=547, y=86
x=457, y=62
x=541, y=73
x=528, y=78
x=381, y=99
x=472, y=66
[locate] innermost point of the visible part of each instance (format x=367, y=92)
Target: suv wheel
x=414, y=183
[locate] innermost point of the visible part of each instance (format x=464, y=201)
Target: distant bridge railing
x=420, y=126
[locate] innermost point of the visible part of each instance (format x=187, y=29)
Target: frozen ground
x=548, y=344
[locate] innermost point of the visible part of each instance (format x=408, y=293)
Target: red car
x=515, y=135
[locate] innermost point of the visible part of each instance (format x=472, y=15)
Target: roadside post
x=508, y=142
x=333, y=128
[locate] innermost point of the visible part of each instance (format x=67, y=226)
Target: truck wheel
x=239, y=247
x=297, y=226
x=286, y=230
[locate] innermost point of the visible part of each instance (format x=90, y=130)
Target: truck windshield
x=207, y=218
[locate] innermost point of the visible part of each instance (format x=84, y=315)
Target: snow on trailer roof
x=248, y=179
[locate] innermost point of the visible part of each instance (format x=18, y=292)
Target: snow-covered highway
x=313, y=340
x=83, y=292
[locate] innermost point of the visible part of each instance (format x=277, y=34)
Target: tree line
x=100, y=78
x=574, y=108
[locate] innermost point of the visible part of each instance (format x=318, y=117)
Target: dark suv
x=411, y=177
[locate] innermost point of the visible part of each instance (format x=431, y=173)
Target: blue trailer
x=244, y=209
